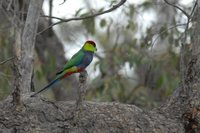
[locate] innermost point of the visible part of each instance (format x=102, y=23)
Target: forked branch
x=83, y=17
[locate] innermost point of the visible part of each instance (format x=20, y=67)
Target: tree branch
x=82, y=18
x=3, y=62
x=185, y=13
x=193, y=9
x=62, y=2
x=162, y=32
x=47, y=116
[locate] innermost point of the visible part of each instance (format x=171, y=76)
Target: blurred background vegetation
x=137, y=61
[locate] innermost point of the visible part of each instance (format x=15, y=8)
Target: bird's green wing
x=74, y=61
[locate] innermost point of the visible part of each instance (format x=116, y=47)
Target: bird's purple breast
x=87, y=59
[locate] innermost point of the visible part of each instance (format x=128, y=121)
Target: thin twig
x=188, y=21
x=62, y=2
x=52, y=17
x=193, y=9
x=82, y=18
x=9, y=5
x=98, y=56
x=50, y=10
x=159, y=34
x=3, y=62
x=185, y=13
x=6, y=76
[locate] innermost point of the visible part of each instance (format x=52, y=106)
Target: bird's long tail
x=46, y=87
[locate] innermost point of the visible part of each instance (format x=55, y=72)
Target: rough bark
x=24, y=50
x=39, y=115
x=25, y=45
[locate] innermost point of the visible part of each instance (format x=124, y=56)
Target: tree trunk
x=24, y=50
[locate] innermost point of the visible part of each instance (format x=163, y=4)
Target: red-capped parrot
x=76, y=64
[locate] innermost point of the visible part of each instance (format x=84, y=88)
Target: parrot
x=76, y=64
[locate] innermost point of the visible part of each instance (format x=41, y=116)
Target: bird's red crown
x=91, y=42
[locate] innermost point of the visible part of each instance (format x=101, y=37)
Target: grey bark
x=24, y=50
x=43, y=116
x=25, y=45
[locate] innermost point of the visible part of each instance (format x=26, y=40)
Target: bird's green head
x=90, y=46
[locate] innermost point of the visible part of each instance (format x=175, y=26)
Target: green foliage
x=78, y=12
x=163, y=32
x=146, y=5
x=89, y=25
x=6, y=75
x=103, y=23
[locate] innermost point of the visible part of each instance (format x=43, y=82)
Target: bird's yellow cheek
x=93, y=49
x=72, y=69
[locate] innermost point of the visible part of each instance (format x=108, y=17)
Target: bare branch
x=62, y=2
x=162, y=32
x=82, y=18
x=185, y=13
x=3, y=62
x=50, y=11
x=52, y=17
x=98, y=56
x=9, y=5
x=194, y=7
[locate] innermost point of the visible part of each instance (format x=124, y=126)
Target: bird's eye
x=93, y=44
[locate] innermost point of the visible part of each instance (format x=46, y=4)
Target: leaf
x=113, y=2
x=78, y=12
x=90, y=25
x=146, y=5
x=103, y=23
x=101, y=9
x=132, y=10
x=159, y=82
x=163, y=32
x=39, y=74
x=131, y=25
